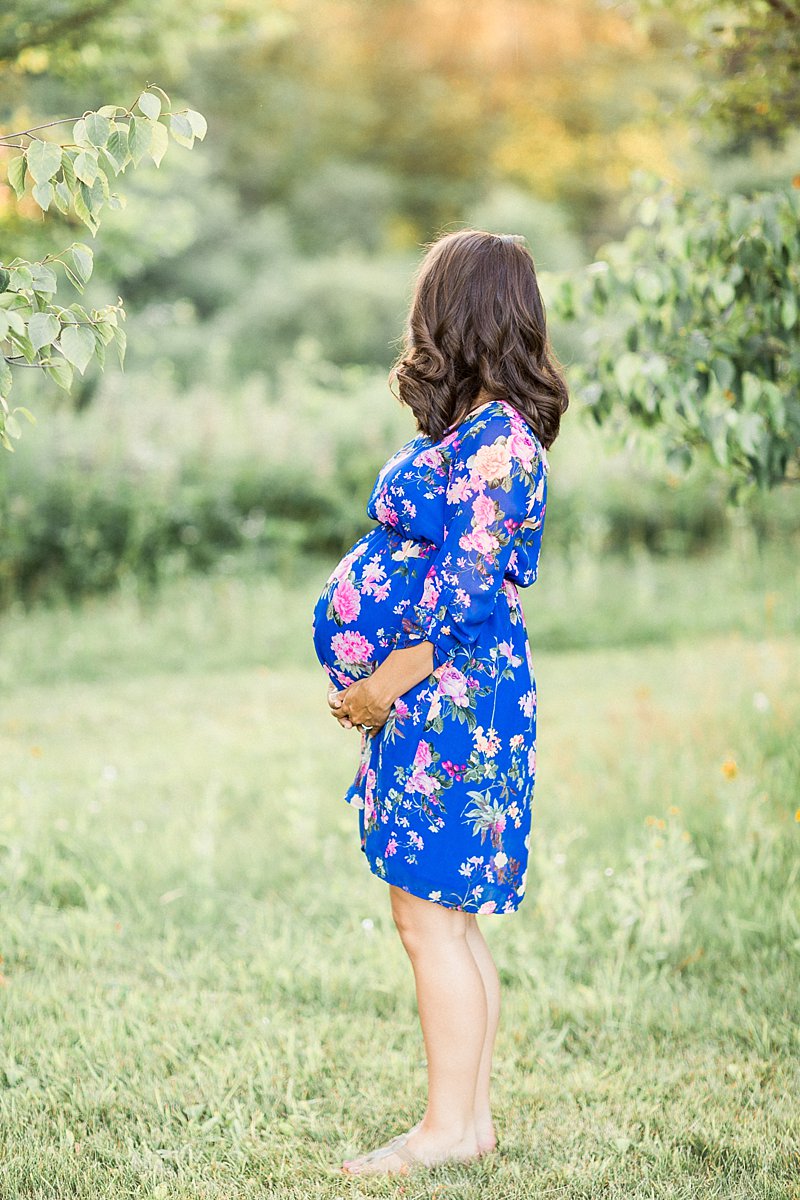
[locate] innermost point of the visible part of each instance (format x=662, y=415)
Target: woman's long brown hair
x=477, y=320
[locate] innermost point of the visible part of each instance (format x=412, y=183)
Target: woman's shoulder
x=499, y=424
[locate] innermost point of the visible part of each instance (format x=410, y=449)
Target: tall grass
x=203, y=995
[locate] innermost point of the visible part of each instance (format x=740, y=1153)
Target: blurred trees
x=345, y=134
x=691, y=325
x=750, y=55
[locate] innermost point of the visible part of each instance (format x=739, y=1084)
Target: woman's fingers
x=335, y=702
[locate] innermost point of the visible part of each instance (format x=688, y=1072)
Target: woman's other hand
x=362, y=703
x=333, y=706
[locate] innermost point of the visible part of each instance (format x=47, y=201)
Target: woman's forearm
x=401, y=669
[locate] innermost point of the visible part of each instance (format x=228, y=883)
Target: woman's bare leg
x=484, y=1126
x=453, y=1012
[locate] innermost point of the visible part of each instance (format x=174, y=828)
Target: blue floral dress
x=445, y=788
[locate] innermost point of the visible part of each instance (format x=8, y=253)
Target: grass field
x=203, y=994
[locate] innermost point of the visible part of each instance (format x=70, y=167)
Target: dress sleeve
x=494, y=486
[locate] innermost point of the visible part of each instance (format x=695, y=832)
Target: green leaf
x=181, y=129
x=60, y=371
x=68, y=168
x=43, y=195
x=150, y=105
x=117, y=147
x=21, y=278
x=789, y=312
x=16, y=174
x=158, y=146
x=44, y=159
x=85, y=166
x=98, y=129
x=5, y=279
x=80, y=135
x=24, y=345
x=73, y=278
x=99, y=352
x=43, y=329
x=121, y=340
x=648, y=285
x=44, y=278
x=198, y=123
x=140, y=136
x=62, y=197
x=83, y=258
x=724, y=292
x=77, y=345
x=82, y=210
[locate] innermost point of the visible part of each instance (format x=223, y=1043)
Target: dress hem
x=416, y=887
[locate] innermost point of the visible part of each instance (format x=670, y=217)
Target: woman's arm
x=370, y=700
x=496, y=484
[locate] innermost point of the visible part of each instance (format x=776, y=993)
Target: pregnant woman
x=421, y=632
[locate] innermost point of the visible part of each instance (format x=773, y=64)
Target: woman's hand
x=363, y=703
x=343, y=721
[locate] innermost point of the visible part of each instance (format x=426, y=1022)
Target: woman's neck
x=481, y=401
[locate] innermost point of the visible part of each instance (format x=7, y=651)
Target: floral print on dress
x=445, y=789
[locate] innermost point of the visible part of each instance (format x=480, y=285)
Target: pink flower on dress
x=522, y=447
x=346, y=602
x=401, y=708
x=383, y=512
x=492, y=463
x=342, y=568
x=480, y=540
x=453, y=683
x=459, y=490
x=391, y=847
x=418, y=781
x=430, y=593
x=373, y=573
x=428, y=458
x=484, y=511
x=423, y=757
x=488, y=906
x=349, y=646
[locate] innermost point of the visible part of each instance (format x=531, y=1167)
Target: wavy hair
x=477, y=321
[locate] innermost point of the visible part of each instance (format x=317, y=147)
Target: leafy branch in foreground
x=75, y=177
x=692, y=328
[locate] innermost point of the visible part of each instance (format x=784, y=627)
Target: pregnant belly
x=358, y=613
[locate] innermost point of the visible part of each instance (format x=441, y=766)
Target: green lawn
x=203, y=994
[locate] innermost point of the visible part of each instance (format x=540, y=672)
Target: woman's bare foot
x=487, y=1142
x=430, y=1149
